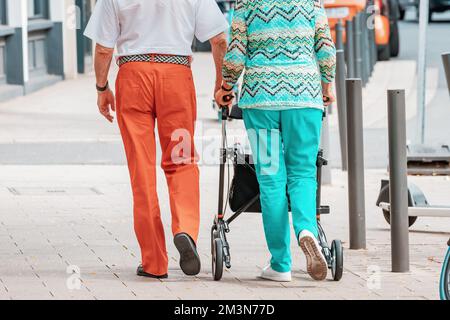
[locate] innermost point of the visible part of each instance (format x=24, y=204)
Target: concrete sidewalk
x=66, y=233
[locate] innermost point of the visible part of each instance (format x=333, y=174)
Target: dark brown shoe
x=140, y=272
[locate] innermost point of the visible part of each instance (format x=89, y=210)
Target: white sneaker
x=269, y=274
x=315, y=261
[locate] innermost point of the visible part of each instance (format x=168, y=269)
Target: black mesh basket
x=244, y=186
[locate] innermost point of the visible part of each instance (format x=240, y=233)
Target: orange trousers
x=148, y=92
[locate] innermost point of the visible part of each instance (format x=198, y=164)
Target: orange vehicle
x=385, y=20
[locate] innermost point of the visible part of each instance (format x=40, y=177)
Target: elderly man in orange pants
x=154, y=84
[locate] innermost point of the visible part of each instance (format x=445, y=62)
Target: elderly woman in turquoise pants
x=288, y=55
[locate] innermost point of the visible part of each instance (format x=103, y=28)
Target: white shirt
x=154, y=26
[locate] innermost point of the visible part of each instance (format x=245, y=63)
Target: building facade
x=41, y=42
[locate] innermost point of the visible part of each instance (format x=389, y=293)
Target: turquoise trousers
x=285, y=145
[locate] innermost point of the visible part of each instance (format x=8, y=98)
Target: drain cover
x=53, y=191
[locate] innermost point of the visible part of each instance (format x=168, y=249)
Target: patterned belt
x=158, y=58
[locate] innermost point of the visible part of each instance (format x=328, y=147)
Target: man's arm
x=219, y=49
x=102, y=64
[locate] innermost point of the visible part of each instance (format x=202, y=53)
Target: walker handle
x=225, y=109
x=227, y=98
x=326, y=99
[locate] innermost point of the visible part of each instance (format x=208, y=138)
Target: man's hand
x=328, y=94
x=106, y=103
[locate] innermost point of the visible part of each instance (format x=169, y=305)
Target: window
x=3, y=15
x=3, y=21
x=37, y=53
x=2, y=62
x=37, y=9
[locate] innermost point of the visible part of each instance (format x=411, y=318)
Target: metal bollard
x=366, y=64
x=349, y=49
x=374, y=47
x=339, y=46
x=339, y=36
x=446, y=61
x=369, y=51
x=356, y=188
x=398, y=184
x=341, y=105
x=357, y=45
x=373, y=50
x=364, y=76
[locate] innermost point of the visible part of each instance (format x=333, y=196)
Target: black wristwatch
x=102, y=89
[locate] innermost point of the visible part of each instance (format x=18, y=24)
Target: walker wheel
x=214, y=236
x=217, y=259
x=337, y=266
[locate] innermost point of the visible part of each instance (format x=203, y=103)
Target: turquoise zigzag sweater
x=286, y=49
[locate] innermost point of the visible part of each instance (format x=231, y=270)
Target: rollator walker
x=243, y=196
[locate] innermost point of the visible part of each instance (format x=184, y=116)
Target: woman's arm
x=323, y=45
x=325, y=53
x=234, y=62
